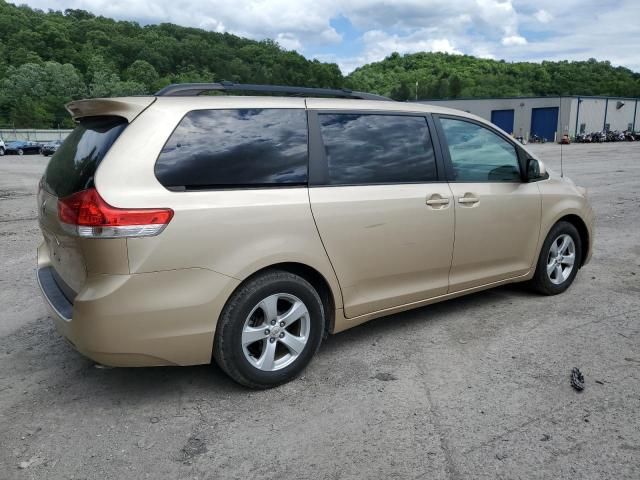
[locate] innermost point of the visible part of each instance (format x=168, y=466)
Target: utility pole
x=416, y=90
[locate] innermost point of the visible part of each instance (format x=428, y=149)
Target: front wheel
x=559, y=260
x=20, y=151
x=1, y=152
x=269, y=330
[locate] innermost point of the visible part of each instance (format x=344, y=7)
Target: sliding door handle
x=438, y=201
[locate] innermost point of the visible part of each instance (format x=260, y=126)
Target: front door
x=497, y=213
x=384, y=218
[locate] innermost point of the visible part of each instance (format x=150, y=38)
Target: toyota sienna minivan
x=183, y=227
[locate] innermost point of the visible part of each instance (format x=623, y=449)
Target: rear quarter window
x=236, y=148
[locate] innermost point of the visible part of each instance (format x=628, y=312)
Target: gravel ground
x=476, y=387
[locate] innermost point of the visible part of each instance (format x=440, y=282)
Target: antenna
x=561, y=139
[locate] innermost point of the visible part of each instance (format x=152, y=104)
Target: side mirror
x=535, y=169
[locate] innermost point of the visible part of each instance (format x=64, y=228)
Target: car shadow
x=80, y=375
x=211, y=378
x=437, y=312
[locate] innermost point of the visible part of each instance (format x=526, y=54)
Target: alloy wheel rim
x=561, y=259
x=275, y=332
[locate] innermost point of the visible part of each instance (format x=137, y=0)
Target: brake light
x=86, y=214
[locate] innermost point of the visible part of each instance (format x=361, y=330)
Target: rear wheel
x=20, y=151
x=1, y=151
x=559, y=260
x=269, y=330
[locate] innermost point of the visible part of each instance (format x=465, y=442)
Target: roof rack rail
x=194, y=89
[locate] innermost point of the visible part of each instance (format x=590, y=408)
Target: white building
x=550, y=117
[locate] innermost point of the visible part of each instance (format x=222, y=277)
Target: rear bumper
x=149, y=319
x=53, y=294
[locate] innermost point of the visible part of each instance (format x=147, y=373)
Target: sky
x=352, y=33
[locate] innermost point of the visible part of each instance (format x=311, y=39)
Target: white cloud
x=294, y=24
x=379, y=43
x=482, y=52
x=509, y=29
x=513, y=40
x=288, y=41
x=543, y=16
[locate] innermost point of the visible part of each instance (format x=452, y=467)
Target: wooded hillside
x=50, y=58
x=46, y=59
x=440, y=75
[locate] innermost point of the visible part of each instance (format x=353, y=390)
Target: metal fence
x=33, y=134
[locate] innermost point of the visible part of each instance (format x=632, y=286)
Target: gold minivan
x=180, y=227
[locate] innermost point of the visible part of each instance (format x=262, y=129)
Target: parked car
x=247, y=228
x=2, y=147
x=51, y=147
x=23, y=148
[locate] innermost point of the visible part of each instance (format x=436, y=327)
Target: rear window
x=73, y=166
x=236, y=148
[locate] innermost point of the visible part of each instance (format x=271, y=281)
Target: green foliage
x=143, y=73
x=50, y=58
x=440, y=75
x=34, y=94
x=94, y=56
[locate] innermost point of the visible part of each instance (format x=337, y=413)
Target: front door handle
x=468, y=199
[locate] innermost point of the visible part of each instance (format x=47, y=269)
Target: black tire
x=20, y=151
x=1, y=152
x=227, y=349
x=541, y=281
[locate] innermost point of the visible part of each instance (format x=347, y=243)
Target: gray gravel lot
x=476, y=387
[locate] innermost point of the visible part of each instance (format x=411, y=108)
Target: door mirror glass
x=535, y=169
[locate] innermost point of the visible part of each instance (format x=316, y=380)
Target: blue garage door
x=544, y=122
x=503, y=119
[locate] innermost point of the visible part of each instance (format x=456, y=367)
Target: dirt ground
x=476, y=387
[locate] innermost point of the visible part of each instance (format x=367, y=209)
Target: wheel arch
x=311, y=275
x=583, y=231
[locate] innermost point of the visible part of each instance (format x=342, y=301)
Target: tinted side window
x=369, y=149
x=478, y=154
x=232, y=148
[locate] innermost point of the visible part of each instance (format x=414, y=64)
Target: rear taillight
x=86, y=214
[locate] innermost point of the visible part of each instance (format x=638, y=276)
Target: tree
x=105, y=82
x=455, y=86
x=35, y=94
x=50, y=58
x=142, y=72
x=444, y=75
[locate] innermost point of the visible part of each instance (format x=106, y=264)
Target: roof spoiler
x=126, y=107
